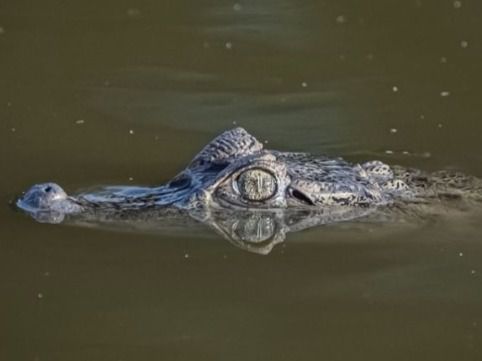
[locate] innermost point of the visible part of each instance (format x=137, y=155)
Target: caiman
x=254, y=196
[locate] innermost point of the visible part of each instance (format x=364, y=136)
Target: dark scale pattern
x=228, y=146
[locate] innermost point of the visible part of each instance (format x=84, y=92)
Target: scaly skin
x=233, y=175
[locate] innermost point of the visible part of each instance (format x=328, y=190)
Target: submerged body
x=234, y=181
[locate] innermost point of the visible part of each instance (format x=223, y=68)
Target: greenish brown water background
x=99, y=93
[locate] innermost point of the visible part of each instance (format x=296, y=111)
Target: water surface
x=126, y=93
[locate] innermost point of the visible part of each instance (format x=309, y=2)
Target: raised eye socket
x=257, y=185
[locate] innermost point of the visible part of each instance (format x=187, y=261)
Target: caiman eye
x=256, y=185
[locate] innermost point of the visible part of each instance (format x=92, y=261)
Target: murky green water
x=127, y=92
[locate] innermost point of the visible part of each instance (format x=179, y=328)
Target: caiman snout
x=42, y=197
x=47, y=203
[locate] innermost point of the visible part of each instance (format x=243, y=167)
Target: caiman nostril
x=48, y=189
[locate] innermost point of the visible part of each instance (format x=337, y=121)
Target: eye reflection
x=256, y=185
x=255, y=228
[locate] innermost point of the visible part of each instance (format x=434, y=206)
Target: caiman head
x=233, y=185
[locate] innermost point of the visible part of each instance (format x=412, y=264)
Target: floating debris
x=422, y=116
x=341, y=19
x=464, y=44
x=461, y=254
x=444, y=93
x=370, y=57
x=186, y=255
x=395, y=88
x=304, y=84
x=131, y=131
x=40, y=295
x=457, y=4
x=443, y=60
x=237, y=7
x=2, y=31
x=440, y=125
x=131, y=179
x=13, y=130
x=80, y=121
x=133, y=12
x=228, y=45
x=389, y=151
x=393, y=130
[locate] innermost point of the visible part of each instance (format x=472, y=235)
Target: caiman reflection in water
x=254, y=197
